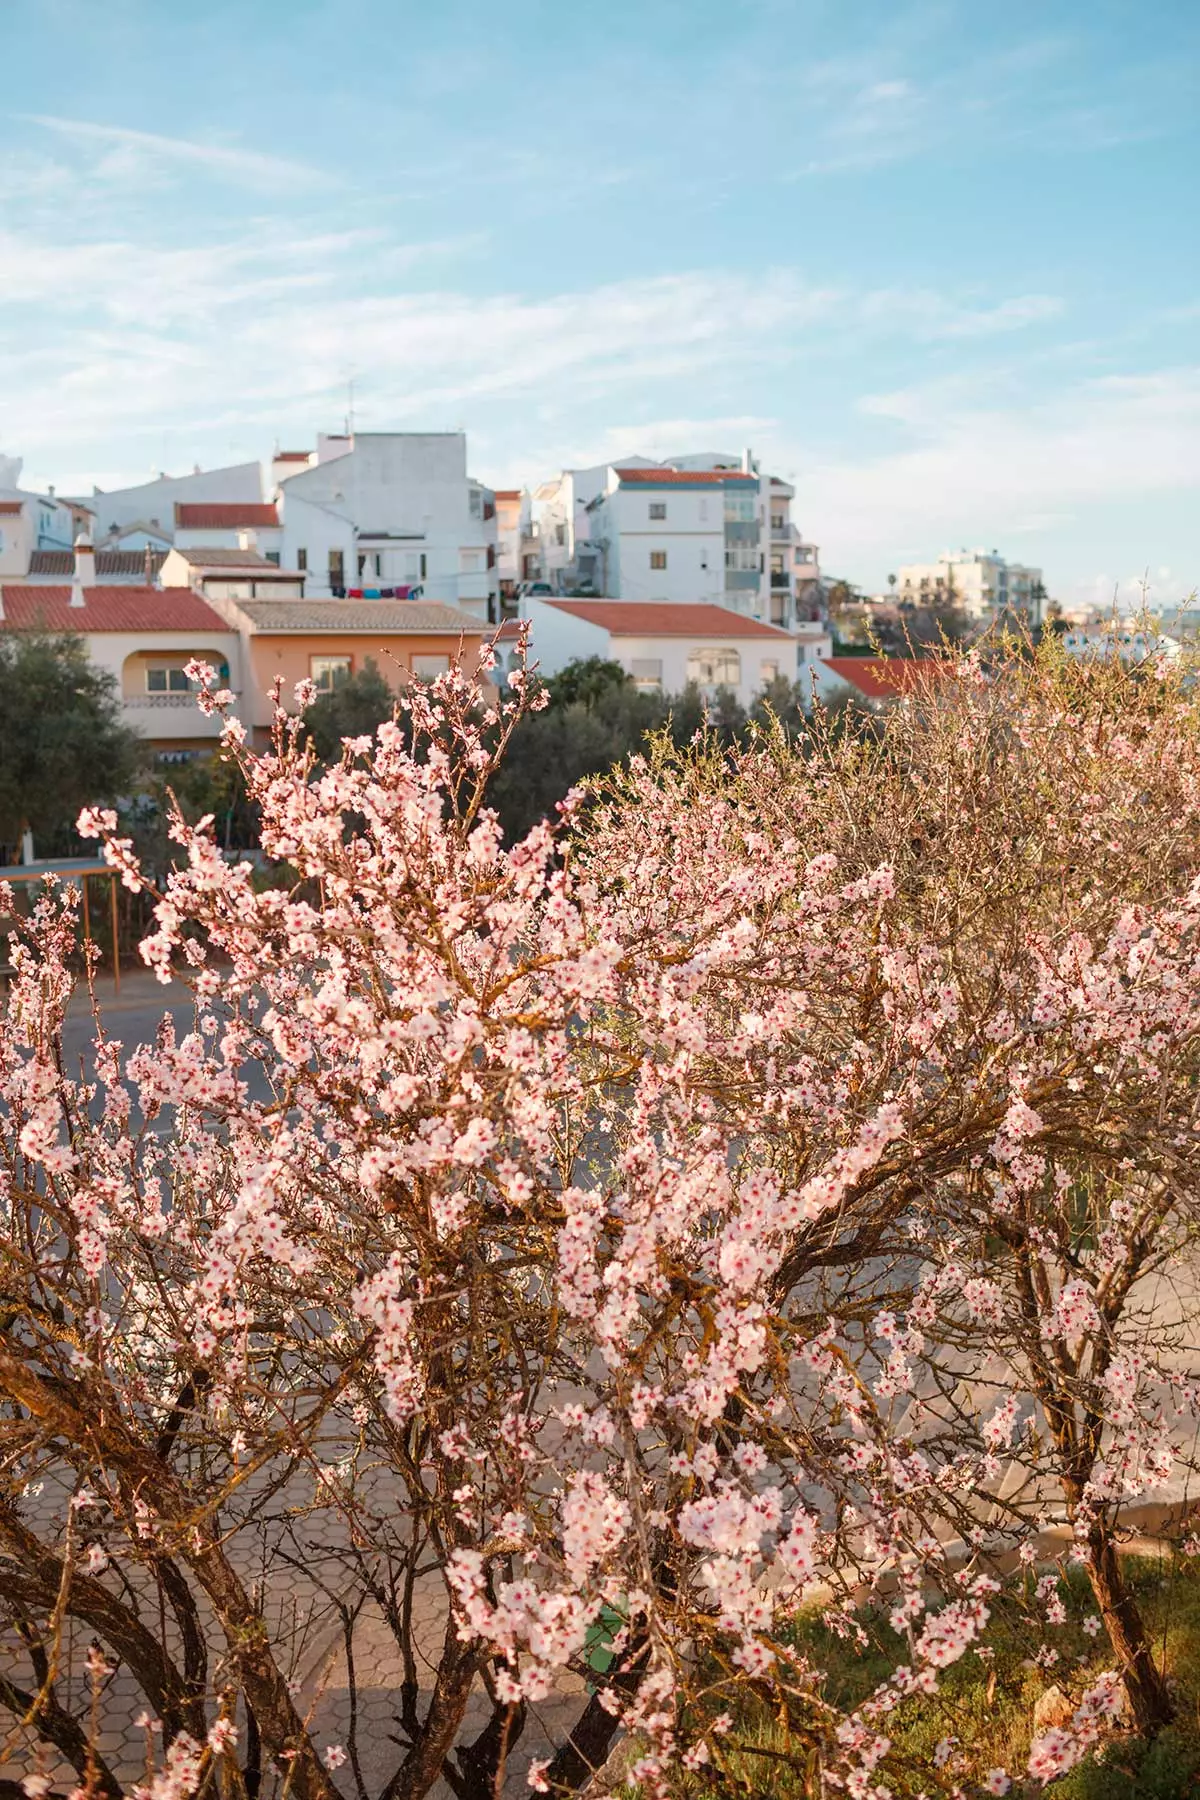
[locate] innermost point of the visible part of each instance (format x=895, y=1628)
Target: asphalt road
x=133, y=1017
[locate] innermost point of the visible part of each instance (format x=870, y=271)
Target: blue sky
x=937, y=263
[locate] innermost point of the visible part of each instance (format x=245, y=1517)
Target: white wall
x=673, y=653
x=16, y=542
x=414, y=487
x=157, y=500
x=316, y=529
x=557, y=638
x=692, y=536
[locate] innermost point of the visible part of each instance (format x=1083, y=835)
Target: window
x=167, y=678
x=658, y=559
x=646, y=672
x=715, y=667
x=778, y=522
x=769, y=672
x=475, y=503
x=337, y=568
x=744, y=557
x=423, y=568
x=302, y=560
x=329, y=672
x=560, y=533
x=658, y=509
x=425, y=668
x=740, y=507
x=272, y=556
x=470, y=560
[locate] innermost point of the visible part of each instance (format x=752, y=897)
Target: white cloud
x=233, y=161
x=1083, y=459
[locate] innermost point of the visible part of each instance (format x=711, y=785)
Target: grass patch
x=987, y=1703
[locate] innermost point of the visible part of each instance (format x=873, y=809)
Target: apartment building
x=378, y=514
x=707, y=527
x=981, y=582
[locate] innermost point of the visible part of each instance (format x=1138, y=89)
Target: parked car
x=534, y=590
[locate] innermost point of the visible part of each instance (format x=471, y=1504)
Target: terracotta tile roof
x=108, y=562
x=683, y=477
x=882, y=677
x=665, y=618
x=34, y=608
x=506, y=493
x=385, y=617
x=291, y=456
x=208, y=516
x=11, y=506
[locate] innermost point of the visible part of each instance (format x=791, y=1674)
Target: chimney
x=747, y=463
x=85, y=569
x=148, y=566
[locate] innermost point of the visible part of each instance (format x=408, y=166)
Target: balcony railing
x=780, y=578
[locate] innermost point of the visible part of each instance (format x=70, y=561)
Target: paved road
x=133, y=1017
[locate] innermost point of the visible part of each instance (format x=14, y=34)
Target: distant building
x=981, y=582
x=707, y=527
x=376, y=514
x=223, y=574
x=663, y=645
x=143, y=637
x=1120, y=640
x=29, y=521
x=516, y=553
x=874, y=680
x=150, y=506
x=329, y=641
x=229, y=525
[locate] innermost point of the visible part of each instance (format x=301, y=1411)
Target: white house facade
x=410, y=515
x=662, y=645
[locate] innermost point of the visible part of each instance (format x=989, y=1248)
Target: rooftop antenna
x=350, y=407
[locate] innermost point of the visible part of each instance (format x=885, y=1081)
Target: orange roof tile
x=665, y=618
x=29, y=607
x=210, y=516
x=882, y=677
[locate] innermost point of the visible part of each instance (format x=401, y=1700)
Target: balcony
x=169, y=716
x=780, y=578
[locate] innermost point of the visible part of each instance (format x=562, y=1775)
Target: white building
x=150, y=507
x=29, y=522
x=379, y=513
x=1120, y=640
x=663, y=645
x=223, y=574
x=706, y=527
x=981, y=582
x=229, y=525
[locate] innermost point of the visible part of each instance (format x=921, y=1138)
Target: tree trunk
x=1144, y=1680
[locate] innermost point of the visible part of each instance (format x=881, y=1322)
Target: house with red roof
x=144, y=637
x=229, y=525
x=875, y=680
x=662, y=644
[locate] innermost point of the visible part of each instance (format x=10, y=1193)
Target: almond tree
x=499, y=1257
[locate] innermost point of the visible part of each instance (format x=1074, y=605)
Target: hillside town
x=383, y=548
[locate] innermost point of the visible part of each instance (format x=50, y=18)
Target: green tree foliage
x=596, y=717
x=63, y=744
x=359, y=706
